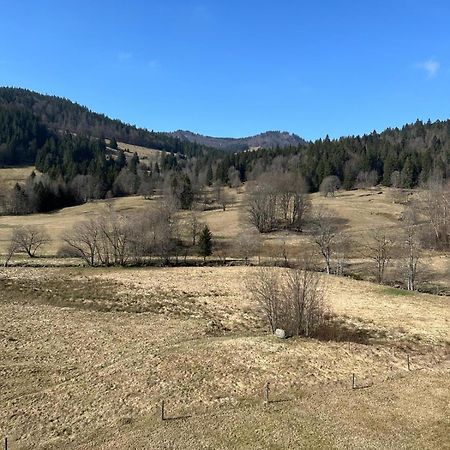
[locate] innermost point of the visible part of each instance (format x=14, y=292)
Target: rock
x=279, y=333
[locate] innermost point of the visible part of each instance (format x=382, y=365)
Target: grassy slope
x=82, y=377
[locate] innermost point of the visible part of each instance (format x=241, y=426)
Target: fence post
x=6, y=443
x=353, y=381
x=266, y=393
x=163, y=417
x=408, y=361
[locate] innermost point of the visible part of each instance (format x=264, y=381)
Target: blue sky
x=236, y=68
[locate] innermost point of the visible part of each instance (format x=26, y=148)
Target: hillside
x=87, y=356
x=269, y=139
x=60, y=114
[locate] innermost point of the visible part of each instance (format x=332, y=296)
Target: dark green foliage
x=61, y=114
x=205, y=242
x=182, y=191
x=113, y=144
x=415, y=151
x=209, y=175
x=21, y=135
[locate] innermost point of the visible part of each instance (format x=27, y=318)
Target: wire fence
x=269, y=395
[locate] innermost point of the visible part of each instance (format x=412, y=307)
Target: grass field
x=145, y=154
x=9, y=176
x=357, y=211
x=87, y=355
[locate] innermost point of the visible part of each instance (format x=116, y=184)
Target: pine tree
x=209, y=176
x=205, y=242
x=113, y=143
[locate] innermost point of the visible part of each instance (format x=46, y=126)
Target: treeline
x=397, y=157
x=146, y=237
x=60, y=115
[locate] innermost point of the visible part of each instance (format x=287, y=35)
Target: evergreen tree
x=209, y=176
x=113, y=143
x=205, y=242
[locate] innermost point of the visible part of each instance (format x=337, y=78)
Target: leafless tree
x=330, y=185
x=194, y=225
x=434, y=204
x=248, y=244
x=12, y=248
x=83, y=240
x=366, y=179
x=411, y=247
x=292, y=300
x=264, y=286
x=304, y=300
x=379, y=248
x=261, y=207
x=324, y=234
x=29, y=239
x=292, y=199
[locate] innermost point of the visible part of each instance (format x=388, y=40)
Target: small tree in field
x=292, y=300
x=205, y=242
x=330, y=185
x=29, y=239
x=324, y=234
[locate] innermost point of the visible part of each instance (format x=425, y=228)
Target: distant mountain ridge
x=61, y=114
x=269, y=139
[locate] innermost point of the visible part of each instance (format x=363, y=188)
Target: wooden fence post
x=163, y=417
x=266, y=393
x=6, y=443
x=353, y=381
x=408, y=361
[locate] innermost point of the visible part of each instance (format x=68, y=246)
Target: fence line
x=351, y=382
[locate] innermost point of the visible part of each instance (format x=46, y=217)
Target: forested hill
x=60, y=115
x=401, y=157
x=269, y=139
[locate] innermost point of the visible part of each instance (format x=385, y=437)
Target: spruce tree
x=205, y=242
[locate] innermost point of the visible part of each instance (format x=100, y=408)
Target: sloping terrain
x=88, y=354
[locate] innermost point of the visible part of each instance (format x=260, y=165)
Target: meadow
x=88, y=354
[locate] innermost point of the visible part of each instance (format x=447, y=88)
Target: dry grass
x=9, y=176
x=86, y=354
x=146, y=154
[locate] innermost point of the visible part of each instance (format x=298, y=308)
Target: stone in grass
x=279, y=333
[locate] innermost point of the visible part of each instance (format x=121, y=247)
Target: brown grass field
x=146, y=154
x=87, y=354
x=11, y=175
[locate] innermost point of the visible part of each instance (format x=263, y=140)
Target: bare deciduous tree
x=264, y=286
x=324, y=234
x=29, y=239
x=434, y=204
x=379, y=248
x=194, y=226
x=411, y=249
x=248, y=244
x=83, y=240
x=12, y=248
x=330, y=185
x=304, y=300
x=292, y=300
x=261, y=208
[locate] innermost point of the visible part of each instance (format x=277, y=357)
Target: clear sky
x=236, y=68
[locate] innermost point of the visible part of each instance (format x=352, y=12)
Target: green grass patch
x=396, y=292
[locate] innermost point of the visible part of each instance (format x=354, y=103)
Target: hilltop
x=269, y=139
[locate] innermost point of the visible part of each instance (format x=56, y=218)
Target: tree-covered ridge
x=60, y=114
x=268, y=139
x=399, y=157
x=21, y=135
